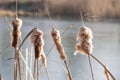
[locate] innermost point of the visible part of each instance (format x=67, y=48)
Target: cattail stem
x=103, y=66
x=68, y=70
x=16, y=10
x=26, y=65
x=15, y=65
x=18, y=64
x=37, y=70
x=1, y=77
x=91, y=67
x=26, y=52
x=106, y=74
x=31, y=60
x=47, y=73
x=20, y=67
x=34, y=72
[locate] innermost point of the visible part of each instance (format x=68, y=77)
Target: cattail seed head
x=17, y=23
x=56, y=35
x=84, y=34
x=16, y=33
x=85, y=41
x=57, y=40
x=38, y=42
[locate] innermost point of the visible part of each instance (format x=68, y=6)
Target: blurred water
x=106, y=48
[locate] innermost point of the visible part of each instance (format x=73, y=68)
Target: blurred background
x=103, y=18
x=63, y=8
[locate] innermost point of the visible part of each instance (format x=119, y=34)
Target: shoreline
x=57, y=10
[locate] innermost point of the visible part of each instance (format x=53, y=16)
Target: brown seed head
x=17, y=23
x=84, y=34
x=36, y=33
x=16, y=33
x=85, y=41
x=37, y=40
x=57, y=40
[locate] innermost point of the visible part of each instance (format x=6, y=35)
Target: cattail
x=85, y=41
x=85, y=44
x=57, y=40
x=37, y=40
x=16, y=33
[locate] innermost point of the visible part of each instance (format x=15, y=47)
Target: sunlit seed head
x=85, y=33
x=85, y=41
x=34, y=35
x=17, y=23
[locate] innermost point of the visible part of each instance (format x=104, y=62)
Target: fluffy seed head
x=85, y=41
x=17, y=23
x=56, y=35
x=36, y=33
x=16, y=33
x=85, y=33
x=57, y=40
x=15, y=38
x=38, y=42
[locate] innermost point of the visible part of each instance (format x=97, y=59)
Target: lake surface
x=106, y=43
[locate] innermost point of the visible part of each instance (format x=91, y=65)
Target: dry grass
x=99, y=8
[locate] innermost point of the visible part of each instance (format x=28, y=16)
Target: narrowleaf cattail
x=85, y=41
x=37, y=40
x=16, y=33
x=57, y=40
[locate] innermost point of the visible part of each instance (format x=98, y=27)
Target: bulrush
x=16, y=33
x=84, y=37
x=57, y=40
x=38, y=42
x=85, y=41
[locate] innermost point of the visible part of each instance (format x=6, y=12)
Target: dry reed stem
x=106, y=74
x=91, y=67
x=38, y=42
x=68, y=70
x=34, y=72
x=1, y=77
x=15, y=66
x=31, y=59
x=26, y=53
x=26, y=64
x=10, y=26
x=48, y=75
x=103, y=66
x=20, y=67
